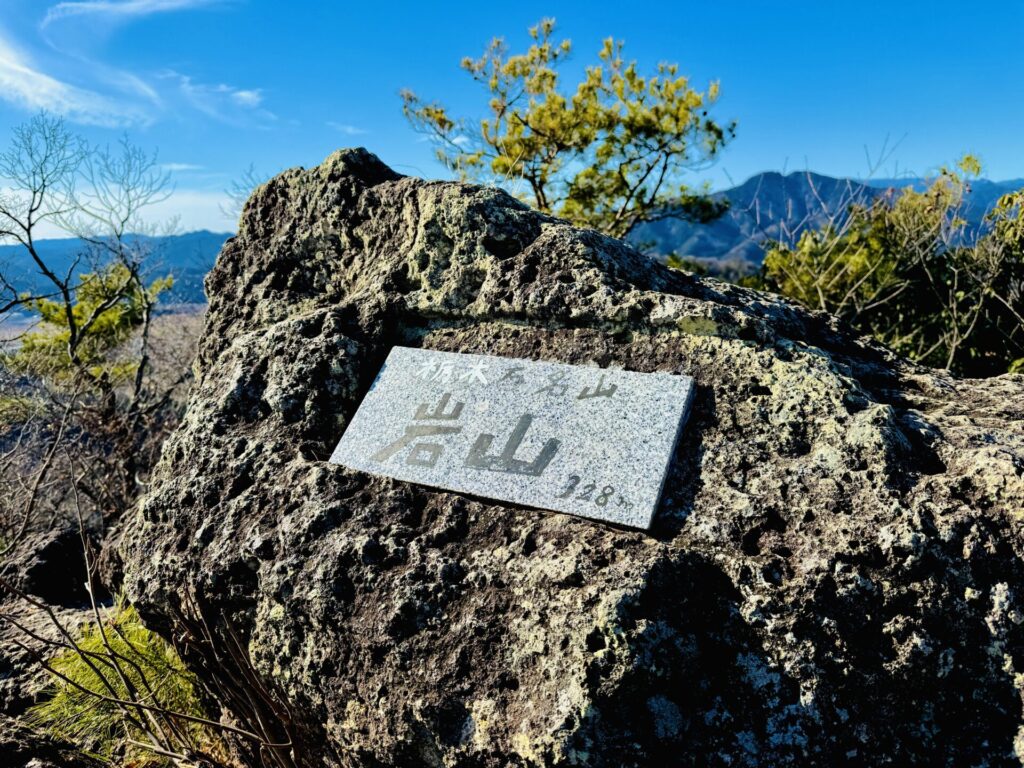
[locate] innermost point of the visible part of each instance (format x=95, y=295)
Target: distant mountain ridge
x=187, y=257
x=767, y=206
x=774, y=206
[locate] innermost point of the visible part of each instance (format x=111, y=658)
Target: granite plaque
x=589, y=441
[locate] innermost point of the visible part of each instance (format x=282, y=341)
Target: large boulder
x=834, y=577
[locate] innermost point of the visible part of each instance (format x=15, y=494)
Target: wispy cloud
x=247, y=98
x=119, y=8
x=57, y=77
x=25, y=85
x=220, y=101
x=180, y=167
x=348, y=130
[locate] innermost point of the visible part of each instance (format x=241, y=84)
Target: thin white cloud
x=220, y=101
x=180, y=167
x=119, y=8
x=24, y=85
x=127, y=82
x=247, y=98
x=348, y=130
x=94, y=93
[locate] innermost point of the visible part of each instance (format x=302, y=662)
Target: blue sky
x=217, y=85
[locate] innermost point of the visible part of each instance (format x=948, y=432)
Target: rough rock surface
x=23, y=680
x=22, y=747
x=834, y=577
x=50, y=567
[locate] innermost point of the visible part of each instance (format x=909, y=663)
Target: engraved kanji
x=599, y=390
x=506, y=461
x=514, y=375
x=445, y=373
x=475, y=375
x=425, y=454
x=556, y=384
x=439, y=414
x=426, y=370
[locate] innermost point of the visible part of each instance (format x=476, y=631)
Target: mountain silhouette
x=774, y=206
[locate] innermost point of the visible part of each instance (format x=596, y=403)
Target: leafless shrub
x=99, y=378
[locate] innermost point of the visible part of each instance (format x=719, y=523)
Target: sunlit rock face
x=833, y=577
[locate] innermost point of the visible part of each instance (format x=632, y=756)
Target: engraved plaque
x=588, y=441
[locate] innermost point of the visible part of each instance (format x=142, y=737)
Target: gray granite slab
x=589, y=441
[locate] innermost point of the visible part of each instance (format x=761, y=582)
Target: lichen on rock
x=834, y=575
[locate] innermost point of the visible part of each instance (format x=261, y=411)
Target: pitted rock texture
x=834, y=576
x=41, y=580
x=49, y=565
x=22, y=747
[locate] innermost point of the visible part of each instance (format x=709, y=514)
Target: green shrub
x=15, y=409
x=906, y=270
x=155, y=676
x=109, y=306
x=609, y=153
